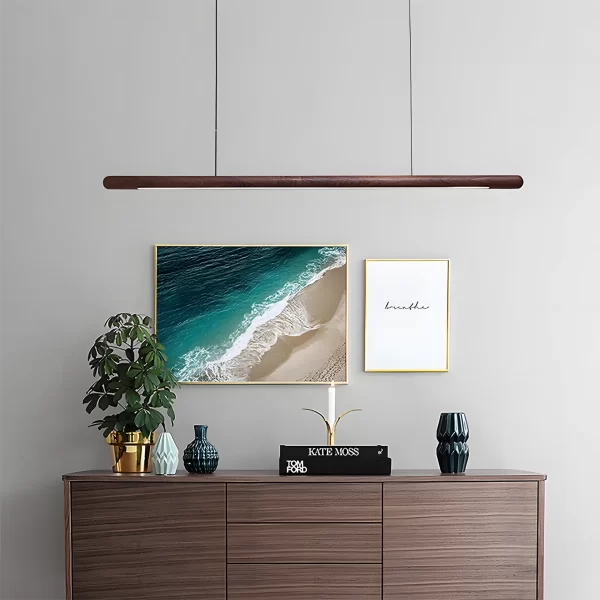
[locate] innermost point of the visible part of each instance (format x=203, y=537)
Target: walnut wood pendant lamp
x=145, y=182
x=140, y=182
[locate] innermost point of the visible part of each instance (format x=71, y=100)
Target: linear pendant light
x=143, y=182
x=133, y=182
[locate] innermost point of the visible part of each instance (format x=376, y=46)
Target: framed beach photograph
x=406, y=315
x=253, y=314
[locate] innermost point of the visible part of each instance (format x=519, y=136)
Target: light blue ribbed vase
x=200, y=456
x=165, y=455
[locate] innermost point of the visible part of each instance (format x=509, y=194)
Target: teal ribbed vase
x=200, y=456
x=453, y=450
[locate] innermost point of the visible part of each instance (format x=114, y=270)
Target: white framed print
x=406, y=315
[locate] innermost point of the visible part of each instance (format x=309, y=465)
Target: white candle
x=331, y=404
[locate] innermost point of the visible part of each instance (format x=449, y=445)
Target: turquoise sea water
x=220, y=308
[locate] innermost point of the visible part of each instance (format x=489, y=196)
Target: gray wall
x=97, y=88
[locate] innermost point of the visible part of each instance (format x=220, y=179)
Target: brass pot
x=132, y=453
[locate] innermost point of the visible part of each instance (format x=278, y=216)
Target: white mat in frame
x=406, y=315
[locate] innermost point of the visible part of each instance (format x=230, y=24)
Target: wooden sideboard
x=250, y=535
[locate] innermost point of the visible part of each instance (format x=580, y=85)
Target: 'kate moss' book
x=334, y=460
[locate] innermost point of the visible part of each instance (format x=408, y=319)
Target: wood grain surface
x=148, y=541
x=304, y=543
x=540, y=540
x=304, y=582
x=68, y=568
x=225, y=476
x=478, y=535
x=310, y=503
x=134, y=182
x=460, y=541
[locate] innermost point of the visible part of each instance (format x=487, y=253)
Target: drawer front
x=304, y=582
x=304, y=502
x=304, y=543
x=148, y=540
x=460, y=540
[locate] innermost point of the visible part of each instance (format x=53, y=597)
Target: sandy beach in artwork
x=257, y=314
x=318, y=354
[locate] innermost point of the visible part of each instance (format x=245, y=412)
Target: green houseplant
x=132, y=375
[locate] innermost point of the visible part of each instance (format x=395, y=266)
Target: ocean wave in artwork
x=282, y=313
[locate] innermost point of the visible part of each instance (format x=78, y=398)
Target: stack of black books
x=334, y=460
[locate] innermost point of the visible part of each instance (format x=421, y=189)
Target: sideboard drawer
x=458, y=540
x=147, y=540
x=304, y=582
x=304, y=502
x=304, y=543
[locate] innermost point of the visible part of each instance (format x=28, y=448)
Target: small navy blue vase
x=200, y=456
x=452, y=435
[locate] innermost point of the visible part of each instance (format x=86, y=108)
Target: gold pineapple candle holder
x=331, y=429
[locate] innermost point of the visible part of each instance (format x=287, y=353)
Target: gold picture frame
x=368, y=368
x=343, y=381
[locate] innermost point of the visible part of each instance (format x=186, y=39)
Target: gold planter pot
x=132, y=453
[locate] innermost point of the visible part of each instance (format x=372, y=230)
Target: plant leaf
x=134, y=370
x=91, y=405
x=89, y=397
x=148, y=387
x=139, y=380
x=105, y=402
x=153, y=378
x=140, y=418
x=157, y=417
x=171, y=414
x=133, y=398
x=148, y=424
